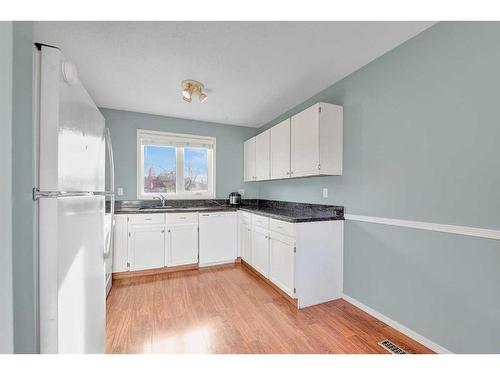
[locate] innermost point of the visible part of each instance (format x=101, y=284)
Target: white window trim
x=141, y=133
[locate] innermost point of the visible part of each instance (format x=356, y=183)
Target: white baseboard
x=398, y=326
x=211, y=264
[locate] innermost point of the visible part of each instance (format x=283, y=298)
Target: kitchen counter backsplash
x=282, y=210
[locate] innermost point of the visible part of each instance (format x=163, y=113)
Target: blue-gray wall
x=229, y=155
x=18, y=263
x=6, y=294
x=25, y=263
x=421, y=142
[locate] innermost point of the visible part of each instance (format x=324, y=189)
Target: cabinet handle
x=148, y=218
x=169, y=231
x=163, y=230
x=183, y=217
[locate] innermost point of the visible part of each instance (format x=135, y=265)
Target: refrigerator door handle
x=111, y=193
x=37, y=194
x=105, y=193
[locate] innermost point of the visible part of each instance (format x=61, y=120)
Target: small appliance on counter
x=234, y=198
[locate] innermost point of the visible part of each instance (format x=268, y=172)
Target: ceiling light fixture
x=190, y=87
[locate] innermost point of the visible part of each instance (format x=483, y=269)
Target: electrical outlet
x=325, y=192
x=119, y=191
x=241, y=192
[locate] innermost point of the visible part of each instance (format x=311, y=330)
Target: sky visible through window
x=160, y=158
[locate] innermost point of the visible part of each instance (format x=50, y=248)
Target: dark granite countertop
x=293, y=216
x=148, y=210
x=287, y=211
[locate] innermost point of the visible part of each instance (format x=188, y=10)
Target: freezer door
x=72, y=293
x=71, y=129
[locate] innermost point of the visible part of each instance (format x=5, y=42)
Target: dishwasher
x=218, y=238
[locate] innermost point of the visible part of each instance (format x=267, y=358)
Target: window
x=179, y=166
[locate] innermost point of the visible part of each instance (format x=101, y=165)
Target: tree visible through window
x=159, y=169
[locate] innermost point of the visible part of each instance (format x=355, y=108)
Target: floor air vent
x=391, y=347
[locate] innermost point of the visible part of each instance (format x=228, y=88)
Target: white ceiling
x=253, y=71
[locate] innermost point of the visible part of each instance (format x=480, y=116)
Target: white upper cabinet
x=316, y=141
x=307, y=144
x=262, y=154
x=249, y=160
x=280, y=150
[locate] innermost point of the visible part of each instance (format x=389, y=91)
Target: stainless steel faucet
x=162, y=199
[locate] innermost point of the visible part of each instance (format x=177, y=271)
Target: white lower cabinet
x=246, y=242
x=120, y=239
x=282, y=262
x=260, y=250
x=146, y=247
x=182, y=245
x=304, y=260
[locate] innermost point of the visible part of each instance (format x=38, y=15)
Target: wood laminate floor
x=230, y=310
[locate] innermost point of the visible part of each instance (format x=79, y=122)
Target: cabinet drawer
x=182, y=218
x=282, y=227
x=147, y=219
x=245, y=217
x=260, y=221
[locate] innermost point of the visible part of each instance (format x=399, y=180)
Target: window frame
x=160, y=137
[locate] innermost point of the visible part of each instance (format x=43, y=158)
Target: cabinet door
x=282, y=263
x=120, y=239
x=182, y=245
x=246, y=243
x=262, y=144
x=260, y=252
x=305, y=142
x=146, y=247
x=280, y=150
x=249, y=159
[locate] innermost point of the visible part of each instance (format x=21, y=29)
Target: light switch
x=119, y=191
x=325, y=192
x=241, y=192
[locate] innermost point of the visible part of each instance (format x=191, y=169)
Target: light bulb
x=186, y=95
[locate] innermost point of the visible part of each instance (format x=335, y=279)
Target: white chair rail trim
x=455, y=229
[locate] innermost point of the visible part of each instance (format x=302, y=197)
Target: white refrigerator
x=71, y=143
